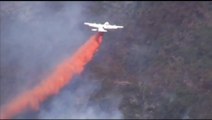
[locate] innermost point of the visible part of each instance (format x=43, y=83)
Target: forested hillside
x=160, y=62
x=158, y=66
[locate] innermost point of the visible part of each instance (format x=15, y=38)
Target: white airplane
x=102, y=27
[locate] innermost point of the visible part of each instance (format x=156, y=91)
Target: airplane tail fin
x=106, y=23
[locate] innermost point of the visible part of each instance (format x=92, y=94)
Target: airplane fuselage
x=102, y=27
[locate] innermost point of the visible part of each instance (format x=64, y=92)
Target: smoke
x=56, y=81
x=75, y=103
x=35, y=37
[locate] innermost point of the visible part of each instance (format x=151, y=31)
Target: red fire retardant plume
x=59, y=78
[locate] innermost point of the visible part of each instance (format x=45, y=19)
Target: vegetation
x=165, y=54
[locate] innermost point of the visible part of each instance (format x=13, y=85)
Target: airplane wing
x=116, y=26
x=112, y=27
x=92, y=24
x=120, y=26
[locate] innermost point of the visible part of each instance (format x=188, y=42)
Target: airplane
x=102, y=27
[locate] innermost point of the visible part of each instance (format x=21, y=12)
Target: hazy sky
x=35, y=37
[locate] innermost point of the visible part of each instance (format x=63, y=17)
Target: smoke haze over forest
x=158, y=66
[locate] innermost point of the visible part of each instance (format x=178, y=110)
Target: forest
x=162, y=63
